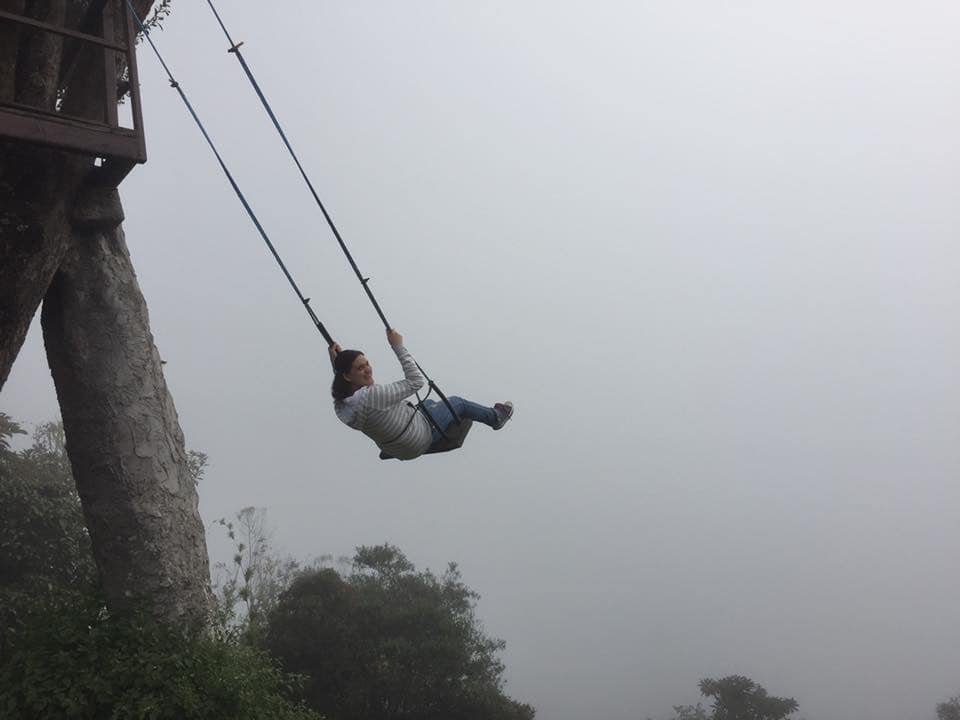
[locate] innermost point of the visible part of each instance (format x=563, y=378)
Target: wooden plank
x=83, y=138
x=92, y=20
x=43, y=112
x=112, y=172
x=56, y=29
x=109, y=70
x=135, y=84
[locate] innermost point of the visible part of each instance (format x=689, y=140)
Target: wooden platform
x=118, y=148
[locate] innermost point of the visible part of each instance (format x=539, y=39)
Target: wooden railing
x=118, y=148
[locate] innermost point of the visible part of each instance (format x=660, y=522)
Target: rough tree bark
x=123, y=436
x=36, y=185
x=34, y=235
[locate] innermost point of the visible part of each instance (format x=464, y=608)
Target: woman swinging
x=379, y=411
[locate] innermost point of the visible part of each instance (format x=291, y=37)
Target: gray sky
x=709, y=249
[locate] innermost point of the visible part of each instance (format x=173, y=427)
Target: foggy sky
x=708, y=249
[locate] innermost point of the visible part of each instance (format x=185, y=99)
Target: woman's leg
x=468, y=411
x=465, y=409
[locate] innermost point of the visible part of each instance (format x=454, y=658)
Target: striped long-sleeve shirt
x=380, y=413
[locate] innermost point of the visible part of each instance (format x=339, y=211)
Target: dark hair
x=341, y=387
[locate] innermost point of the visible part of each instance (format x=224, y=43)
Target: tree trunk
x=38, y=185
x=37, y=189
x=60, y=238
x=123, y=435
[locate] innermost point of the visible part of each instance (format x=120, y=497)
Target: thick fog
x=709, y=250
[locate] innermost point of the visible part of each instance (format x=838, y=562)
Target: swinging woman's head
x=352, y=371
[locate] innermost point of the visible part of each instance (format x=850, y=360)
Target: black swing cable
x=235, y=49
x=233, y=183
x=364, y=281
x=305, y=301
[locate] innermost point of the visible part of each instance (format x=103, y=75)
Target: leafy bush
x=387, y=642
x=68, y=658
x=43, y=539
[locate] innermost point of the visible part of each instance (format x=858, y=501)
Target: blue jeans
x=465, y=409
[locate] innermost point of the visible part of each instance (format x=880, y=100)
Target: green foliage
x=389, y=642
x=949, y=710
x=378, y=640
x=64, y=656
x=197, y=465
x=8, y=428
x=44, y=541
x=161, y=11
x=43, y=538
x=689, y=712
x=70, y=659
x=736, y=697
x=249, y=586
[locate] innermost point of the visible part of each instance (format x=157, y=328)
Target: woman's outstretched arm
x=383, y=396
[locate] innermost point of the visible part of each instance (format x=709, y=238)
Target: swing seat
x=455, y=435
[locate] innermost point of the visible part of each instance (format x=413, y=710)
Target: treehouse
x=97, y=62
